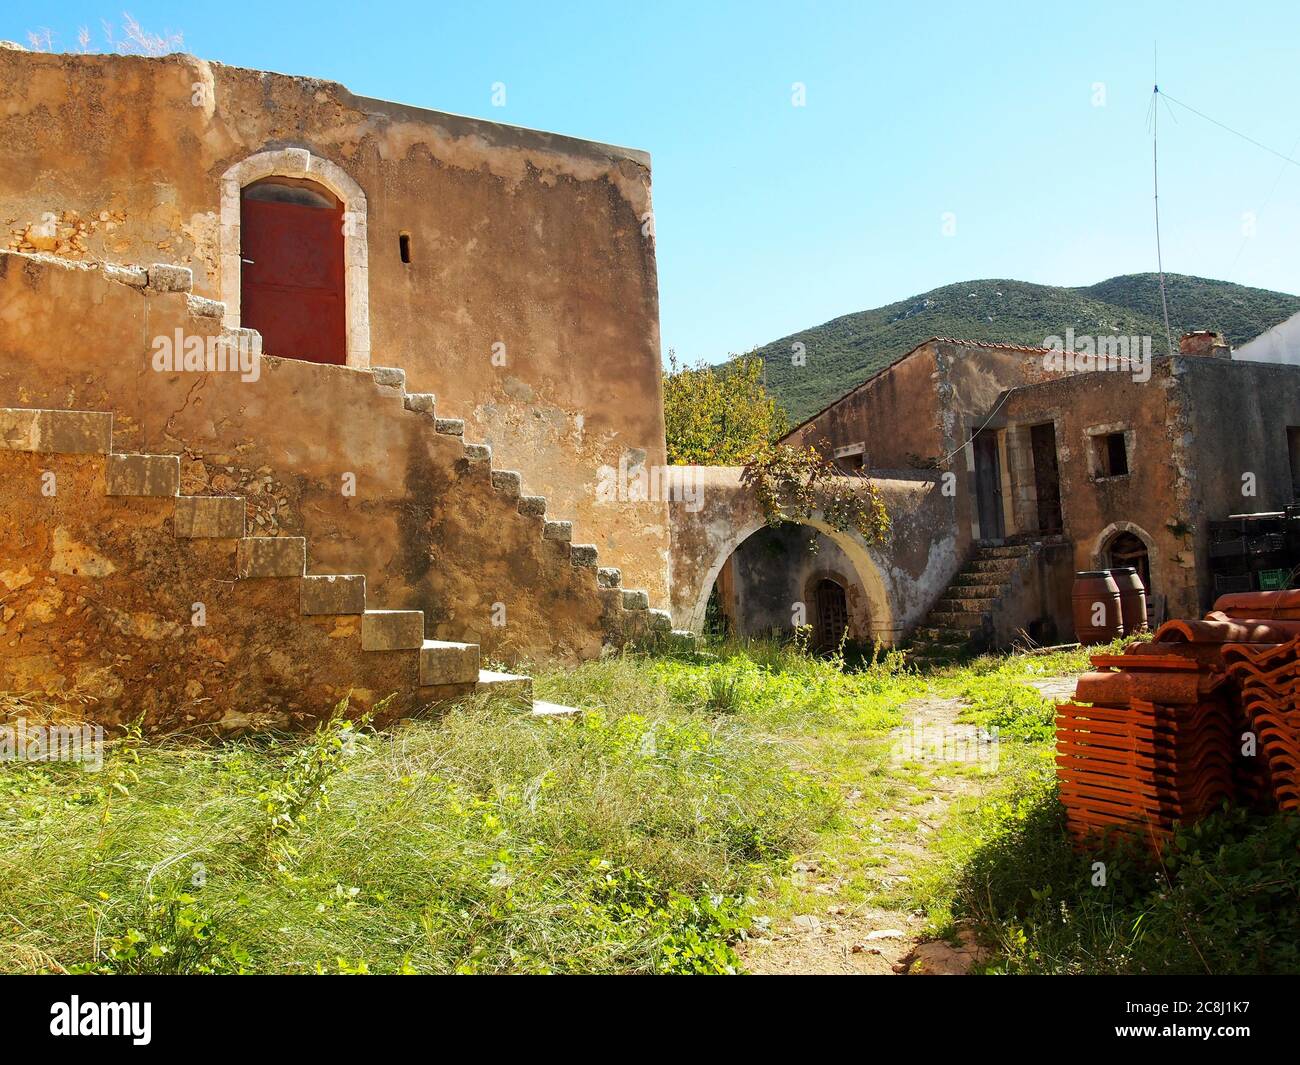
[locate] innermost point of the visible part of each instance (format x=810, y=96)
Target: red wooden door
x=291, y=281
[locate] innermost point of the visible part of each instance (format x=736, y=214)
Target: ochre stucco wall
x=1149, y=497
x=919, y=412
x=533, y=241
x=425, y=526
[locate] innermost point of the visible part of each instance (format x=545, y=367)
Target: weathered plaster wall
x=922, y=409
x=1148, y=498
x=899, y=579
x=96, y=612
x=1235, y=416
x=896, y=413
x=425, y=526
x=537, y=242
x=1037, y=599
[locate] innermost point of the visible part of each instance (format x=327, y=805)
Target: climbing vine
x=791, y=484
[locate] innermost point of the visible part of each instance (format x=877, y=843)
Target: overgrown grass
x=1224, y=899
x=483, y=841
x=644, y=837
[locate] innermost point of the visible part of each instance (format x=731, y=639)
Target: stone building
x=1054, y=463
x=458, y=323
x=307, y=397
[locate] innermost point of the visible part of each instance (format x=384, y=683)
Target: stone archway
x=300, y=163
x=867, y=571
x=1101, y=552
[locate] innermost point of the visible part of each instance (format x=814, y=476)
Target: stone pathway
x=833, y=938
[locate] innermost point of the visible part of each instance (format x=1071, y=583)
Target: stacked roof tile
x=1205, y=712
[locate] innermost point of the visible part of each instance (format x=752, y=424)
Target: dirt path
x=831, y=935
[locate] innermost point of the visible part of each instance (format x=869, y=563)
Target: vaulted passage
x=789, y=577
x=291, y=274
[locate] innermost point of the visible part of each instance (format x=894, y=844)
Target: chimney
x=1204, y=343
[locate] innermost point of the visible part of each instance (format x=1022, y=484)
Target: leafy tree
x=719, y=415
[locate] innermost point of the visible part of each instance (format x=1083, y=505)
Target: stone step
x=506, y=685
x=449, y=426
x=478, y=453
x=926, y=633
x=66, y=432
x=508, y=482
x=583, y=556
x=208, y=517
x=950, y=604
x=976, y=589
x=157, y=476
x=420, y=402
x=954, y=621
x=682, y=641
x=392, y=630
x=989, y=567
x=392, y=378
x=609, y=577
x=941, y=639
x=636, y=600
x=661, y=621
x=445, y=662
x=949, y=644
x=271, y=556
x=532, y=506
x=558, y=530
x=544, y=709
x=1005, y=551
x=334, y=593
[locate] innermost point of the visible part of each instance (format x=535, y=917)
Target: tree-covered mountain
x=841, y=353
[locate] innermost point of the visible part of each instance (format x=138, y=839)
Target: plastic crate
x=1228, y=548
x=1226, y=585
x=1266, y=543
x=1272, y=580
x=1226, y=531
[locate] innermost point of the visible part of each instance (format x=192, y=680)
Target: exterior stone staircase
x=961, y=621
x=632, y=614
x=431, y=670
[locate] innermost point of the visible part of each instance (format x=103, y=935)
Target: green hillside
x=844, y=351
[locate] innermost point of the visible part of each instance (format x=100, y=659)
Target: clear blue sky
x=770, y=217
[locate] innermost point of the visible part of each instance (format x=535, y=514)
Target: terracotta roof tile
x=992, y=345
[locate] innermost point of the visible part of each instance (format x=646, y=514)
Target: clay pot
x=1095, y=596
x=1132, y=599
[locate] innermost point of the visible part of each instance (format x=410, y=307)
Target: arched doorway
x=315, y=173
x=292, y=279
x=1126, y=549
x=779, y=579
x=831, y=618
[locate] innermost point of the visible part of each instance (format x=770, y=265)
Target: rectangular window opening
x=1111, y=454
x=404, y=243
